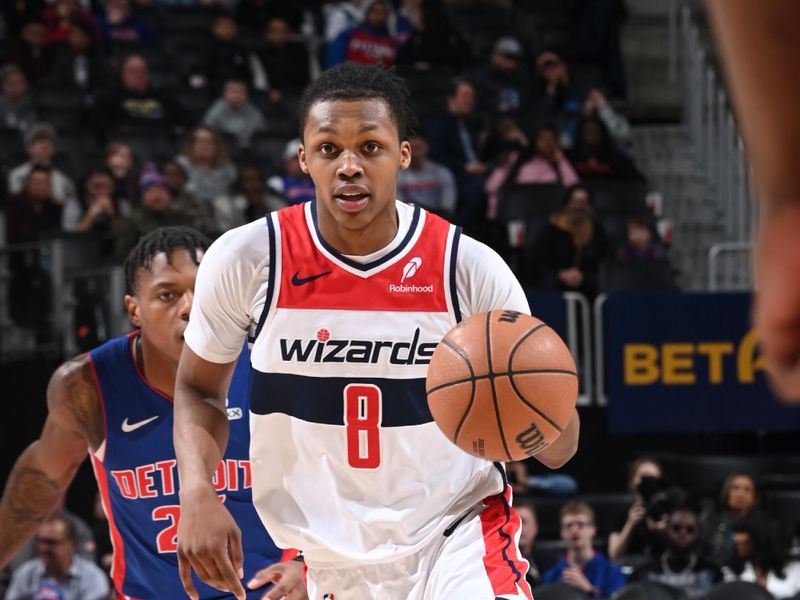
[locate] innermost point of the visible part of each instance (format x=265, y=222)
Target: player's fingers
x=275, y=593
x=269, y=575
x=237, y=555
x=228, y=577
x=185, y=572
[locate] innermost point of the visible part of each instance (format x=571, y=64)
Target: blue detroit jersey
x=137, y=474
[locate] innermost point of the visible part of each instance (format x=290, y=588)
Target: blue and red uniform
x=137, y=474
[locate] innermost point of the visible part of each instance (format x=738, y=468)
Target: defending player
x=116, y=403
x=346, y=298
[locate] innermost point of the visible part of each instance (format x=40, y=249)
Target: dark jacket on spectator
x=67, y=65
x=287, y=67
x=555, y=249
x=28, y=220
x=125, y=109
x=445, y=141
x=224, y=60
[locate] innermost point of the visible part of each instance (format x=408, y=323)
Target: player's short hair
x=577, y=507
x=166, y=240
x=69, y=526
x=351, y=81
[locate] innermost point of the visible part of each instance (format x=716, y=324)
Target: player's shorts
x=477, y=558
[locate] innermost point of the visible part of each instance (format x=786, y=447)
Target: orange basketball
x=502, y=385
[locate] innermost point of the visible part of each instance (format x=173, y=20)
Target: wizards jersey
x=137, y=474
x=347, y=462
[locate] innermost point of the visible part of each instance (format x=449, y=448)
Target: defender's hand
x=287, y=578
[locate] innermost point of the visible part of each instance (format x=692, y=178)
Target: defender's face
x=353, y=152
x=162, y=301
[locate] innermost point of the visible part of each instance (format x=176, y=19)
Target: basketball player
x=116, y=403
x=346, y=297
x=759, y=43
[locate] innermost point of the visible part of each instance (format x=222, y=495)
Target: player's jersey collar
x=364, y=268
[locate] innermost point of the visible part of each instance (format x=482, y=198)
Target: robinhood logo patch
x=411, y=269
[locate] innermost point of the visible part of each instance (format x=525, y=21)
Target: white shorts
x=479, y=560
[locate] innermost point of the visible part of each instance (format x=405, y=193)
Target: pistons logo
x=328, y=597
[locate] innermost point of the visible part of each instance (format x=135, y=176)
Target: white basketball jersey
x=347, y=462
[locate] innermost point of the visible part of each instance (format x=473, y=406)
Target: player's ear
x=301, y=156
x=132, y=306
x=405, y=154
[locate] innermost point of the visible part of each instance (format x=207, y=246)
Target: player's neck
x=360, y=242
x=158, y=370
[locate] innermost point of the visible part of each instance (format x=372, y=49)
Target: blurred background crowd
x=121, y=116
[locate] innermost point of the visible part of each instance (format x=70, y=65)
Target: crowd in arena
x=118, y=117
x=122, y=116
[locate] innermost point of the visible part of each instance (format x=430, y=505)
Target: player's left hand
x=287, y=579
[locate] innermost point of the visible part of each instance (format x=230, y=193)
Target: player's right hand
x=210, y=542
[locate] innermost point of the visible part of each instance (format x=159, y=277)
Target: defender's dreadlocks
x=166, y=240
x=351, y=81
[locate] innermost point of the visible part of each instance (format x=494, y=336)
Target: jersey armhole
x=452, y=273
x=271, y=278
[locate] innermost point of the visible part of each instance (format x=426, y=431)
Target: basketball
x=502, y=385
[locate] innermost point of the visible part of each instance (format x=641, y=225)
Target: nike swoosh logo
x=303, y=280
x=128, y=427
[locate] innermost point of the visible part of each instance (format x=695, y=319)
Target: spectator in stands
x=640, y=244
x=503, y=137
x=78, y=63
x=681, y=565
x=369, y=43
x=286, y=61
x=619, y=129
x=582, y=567
x=226, y=57
x=256, y=13
x=60, y=17
x=455, y=140
x=58, y=572
x=557, y=92
x=135, y=106
x=97, y=208
x=121, y=162
x=250, y=201
x=341, y=16
x=762, y=557
x=40, y=146
x=632, y=535
x=567, y=253
x=205, y=160
x=201, y=213
x=118, y=25
x=233, y=113
x=594, y=155
x=543, y=163
x=504, y=85
x=33, y=213
x=154, y=210
x=16, y=105
x=31, y=53
x=738, y=499
x=431, y=40
x=294, y=185
x=426, y=182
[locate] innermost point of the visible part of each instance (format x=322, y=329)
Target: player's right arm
x=206, y=530
x=45, y=469
x=229, y=286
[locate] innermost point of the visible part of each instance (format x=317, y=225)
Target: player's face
x=162, y=301
x=353, y=152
